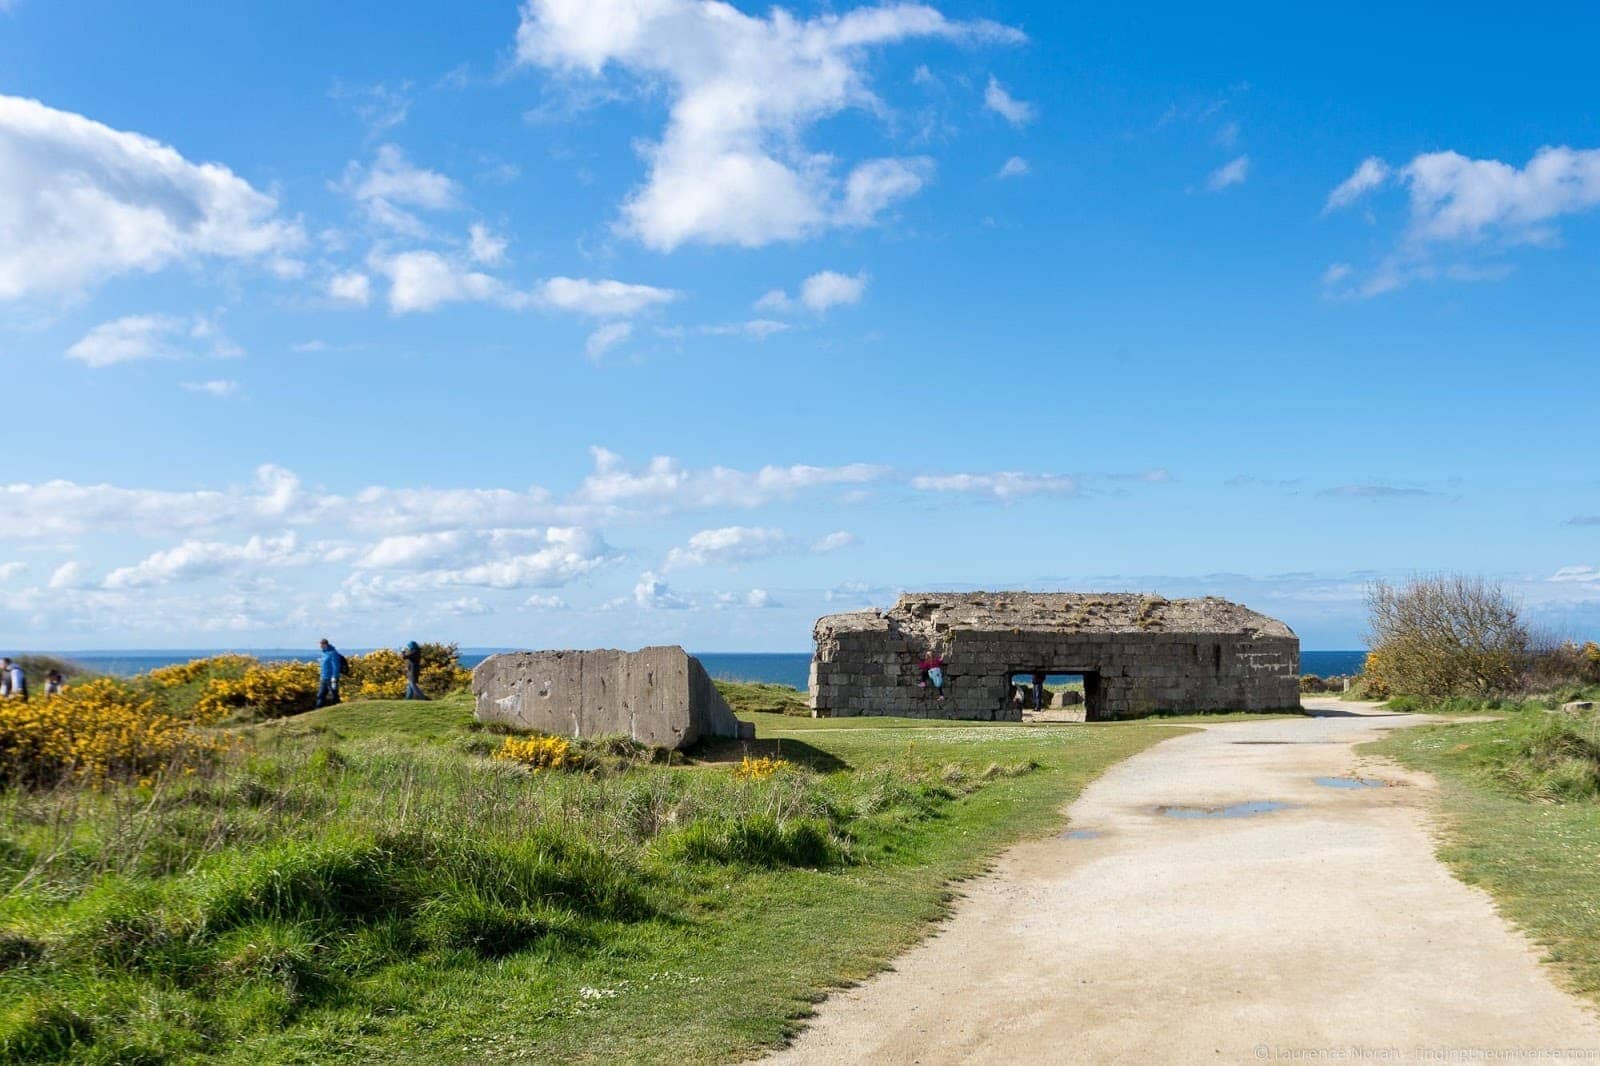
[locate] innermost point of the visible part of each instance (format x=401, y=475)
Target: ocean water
x=779, y=668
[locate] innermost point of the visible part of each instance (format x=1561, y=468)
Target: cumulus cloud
x=1001, y=486
x=558, y=556
x=731, y=166
x=830, y=289
x=1457, y=203
x=486, y=247
x=81, y=202
x=606, y=298
x=666, y=483
x=426, y=281
x=1008, y=107
x=392, y=184
x=197, y=559
x=1015, y=167
x=654, y=594
x=137, y=337
x=1233, y=172
x=351, y=287
x=729, y=545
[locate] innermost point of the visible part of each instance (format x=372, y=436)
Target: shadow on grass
x=721, y=749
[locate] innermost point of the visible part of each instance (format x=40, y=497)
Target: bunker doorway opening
x=1055, y=694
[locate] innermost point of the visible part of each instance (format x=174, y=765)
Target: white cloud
x=194, y=560
x=1008, y=107
x=351, y=287
x=392, y=184
x=466, y=605
x=538, y=602
x=1372, y=173
x=653, y=594
x=774, y=300
x=426, y=281
x=486, y=247
x=833, y=542
x=409, y=551
x=731, y=167
x=760, y=598
x=756, y=329
x=137, y=337
x=665, y=483
x=874, y=186
x=220, y=388
x=68, y=575
x=605, y=298
x=829, y=289
x=1457, y=203
x=606, y=338
x=1233, y=172
x=1015, y=167
x=560, y=556
x=1002, y=486
x=730, y=545
x=81, y=202
x=12, y=571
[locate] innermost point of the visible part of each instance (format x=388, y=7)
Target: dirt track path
x=1325, y=928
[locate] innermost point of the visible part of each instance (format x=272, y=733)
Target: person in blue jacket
x=332, y=667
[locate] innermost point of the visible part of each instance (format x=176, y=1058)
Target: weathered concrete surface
x=658, y=696
x=1137, y=654
x=1319, y=932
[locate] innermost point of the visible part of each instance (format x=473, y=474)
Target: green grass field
x=1520, y=801
x=364, y=882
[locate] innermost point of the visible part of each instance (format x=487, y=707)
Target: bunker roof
x=1061, y=612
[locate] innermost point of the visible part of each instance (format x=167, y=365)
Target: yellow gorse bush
x=271, y=690
x=539, y=752
x=382, y=690
x=198, y=669
x=97, y=731
x=759, y=769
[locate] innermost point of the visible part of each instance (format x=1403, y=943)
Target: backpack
x=344, y=664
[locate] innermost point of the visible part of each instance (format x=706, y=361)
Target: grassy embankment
x=366, y=882
x=1520, y=805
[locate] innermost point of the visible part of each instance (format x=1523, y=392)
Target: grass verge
x=1521, y=819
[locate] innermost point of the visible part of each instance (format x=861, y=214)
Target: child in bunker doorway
x=932, y=667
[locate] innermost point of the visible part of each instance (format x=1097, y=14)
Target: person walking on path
x=54, y=683
x=333, y=665
x=413, y=659
x=1039, y=698
x=932, y=668
x=16, y=680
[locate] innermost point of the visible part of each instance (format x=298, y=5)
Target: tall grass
x=141, y=924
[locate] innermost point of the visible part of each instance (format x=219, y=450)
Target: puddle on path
x=1350, y=782
x=1233, y=810
x=1082, y=834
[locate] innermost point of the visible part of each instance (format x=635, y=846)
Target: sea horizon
x=790, y=668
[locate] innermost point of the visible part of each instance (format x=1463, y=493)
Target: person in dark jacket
x=328, y=690
x=412, y=654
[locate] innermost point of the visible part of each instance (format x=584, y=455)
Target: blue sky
x=625, y=321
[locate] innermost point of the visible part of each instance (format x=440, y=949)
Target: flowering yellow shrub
x=381, y=674
x=382, y=690
x=99, y=730
x=1373, y=674
x=196, y=669
x=271, y=690
x=539, y=752
x=759, y=769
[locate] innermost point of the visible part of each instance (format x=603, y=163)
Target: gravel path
x=1324, y=930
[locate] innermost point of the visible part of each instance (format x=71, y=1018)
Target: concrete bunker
x=1136, y=655
x=658, y=696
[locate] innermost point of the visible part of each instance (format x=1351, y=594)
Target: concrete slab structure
x=658, y=696
x=1137, y=654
